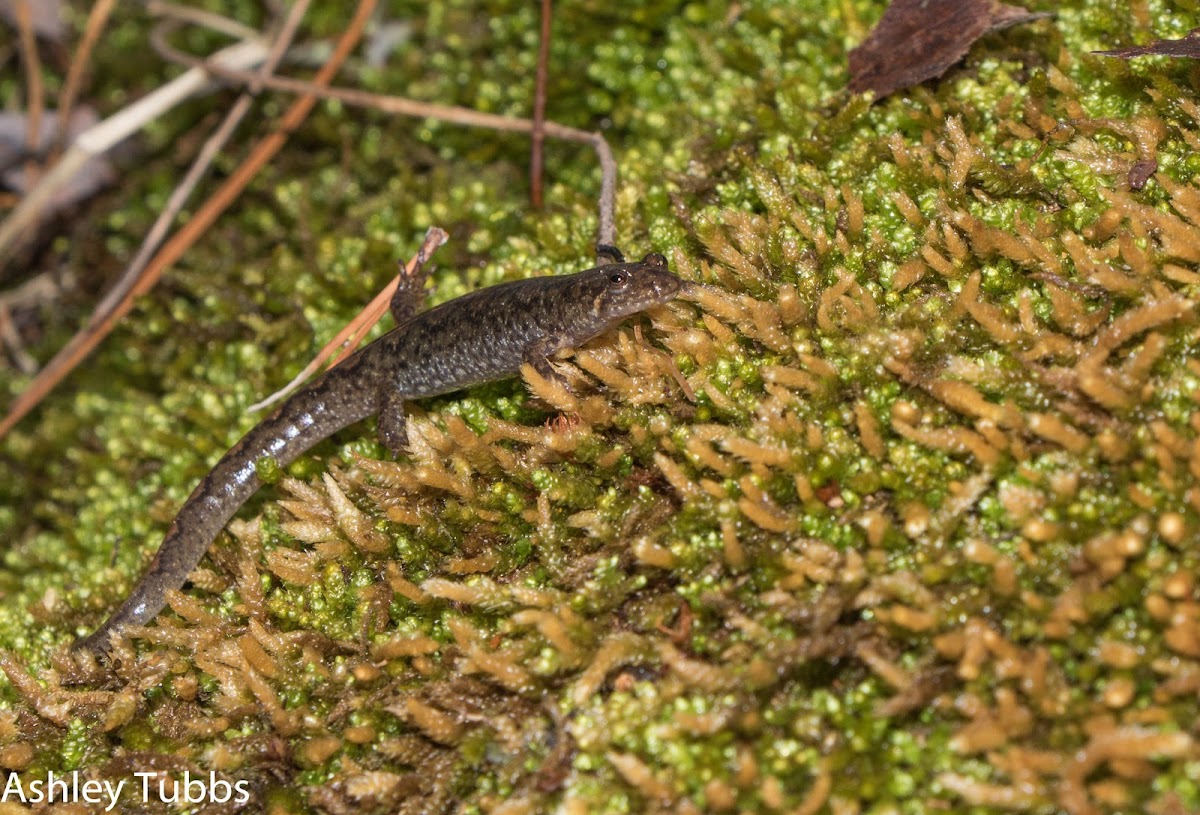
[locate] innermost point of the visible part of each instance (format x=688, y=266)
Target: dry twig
x=539, y=111
x=403, y=106
x=202, y=18
x=100, y=324
x=97, y=18
x=208, y=153
x=98, y=140
x=133, y=284
x=356, y=329
x=34, y=103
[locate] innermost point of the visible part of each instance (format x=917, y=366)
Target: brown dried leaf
x=1188, y=47
x=916, y=40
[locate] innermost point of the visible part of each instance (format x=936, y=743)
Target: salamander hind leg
x=393, y=429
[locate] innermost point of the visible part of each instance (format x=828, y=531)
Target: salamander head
x=622, y=289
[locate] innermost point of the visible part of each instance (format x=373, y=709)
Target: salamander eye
x=618, y=278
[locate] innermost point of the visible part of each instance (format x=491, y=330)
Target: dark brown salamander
x=480, y=337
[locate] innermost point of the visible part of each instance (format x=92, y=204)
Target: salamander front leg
x=410, y=290
x=393, y=430
x=538, y=356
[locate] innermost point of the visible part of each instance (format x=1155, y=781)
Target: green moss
x=750, y=663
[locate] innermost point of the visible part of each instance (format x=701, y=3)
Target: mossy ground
x=924, y=539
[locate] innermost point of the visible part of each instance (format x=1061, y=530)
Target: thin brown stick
x=402, y=106
x=35, y=103
x=100, y=138
x=607, y=228
x=208, y=153
x=347, y=339
x=202, y=18
x=539, y=111
x=101, y=324
x=283, y=40
x=97, y=19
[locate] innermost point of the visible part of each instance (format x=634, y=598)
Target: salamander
x=480, y=337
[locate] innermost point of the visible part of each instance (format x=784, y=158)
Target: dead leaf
x=1188, y=47
x=46, y=16
x=916, y=40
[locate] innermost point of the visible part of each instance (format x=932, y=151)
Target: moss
x=923, y=538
